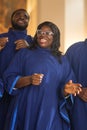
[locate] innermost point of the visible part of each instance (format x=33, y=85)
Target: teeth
x=43, y=40
x=20, y=21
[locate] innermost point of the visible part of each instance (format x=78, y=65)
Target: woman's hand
x=36, y=79
x=72, y=88
x=83, y=94
x=21, y=44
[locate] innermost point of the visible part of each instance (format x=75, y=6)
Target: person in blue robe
x=39, y=78
x=77, y=54
x=10, y=43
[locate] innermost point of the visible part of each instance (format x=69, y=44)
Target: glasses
x=47, y=33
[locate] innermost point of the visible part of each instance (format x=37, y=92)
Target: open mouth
x=20, y=21
x=43, y=40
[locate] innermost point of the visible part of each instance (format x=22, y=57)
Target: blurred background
x=69, y=15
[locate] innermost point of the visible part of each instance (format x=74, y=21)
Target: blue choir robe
x=77, y=55
x=6, y=55
x=41, y=107
x=1, y=88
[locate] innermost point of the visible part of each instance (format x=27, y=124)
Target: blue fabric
x=9, y=51
x=77, y=55
x=6, y=55
x=1, y=88
x=38, y=107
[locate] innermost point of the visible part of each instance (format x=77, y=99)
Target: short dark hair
x=19, y=10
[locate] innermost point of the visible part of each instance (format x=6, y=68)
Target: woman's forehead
x=45, y=27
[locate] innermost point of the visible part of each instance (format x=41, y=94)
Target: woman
x=36, y=78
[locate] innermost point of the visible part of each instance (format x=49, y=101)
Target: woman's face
x=45, y=37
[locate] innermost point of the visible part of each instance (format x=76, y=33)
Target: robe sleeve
x=14, y=72
x=1, y=88
x=66, y=103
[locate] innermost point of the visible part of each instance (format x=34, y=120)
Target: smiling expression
x=20, y=20
x=45, y=37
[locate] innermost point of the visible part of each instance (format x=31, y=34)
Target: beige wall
x=32, y=8
x=85, y=19
x=74, y=22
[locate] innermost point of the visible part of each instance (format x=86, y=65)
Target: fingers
x=70, y=81
x=72, y=88
x=3, y=41
x=37, y=79
x=20, y=44
x=1, y=48
x=83, y=94
x=76, y=90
